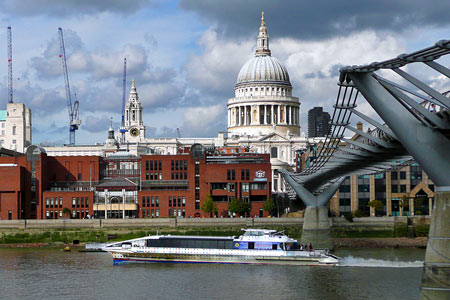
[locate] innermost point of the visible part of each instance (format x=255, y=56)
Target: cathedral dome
x=263, y=68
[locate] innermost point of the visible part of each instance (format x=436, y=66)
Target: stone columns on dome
x=290, y=115
x=279, y=114
x=240, y=116
x=271, y=115
x=265, y=115
x=245, y=115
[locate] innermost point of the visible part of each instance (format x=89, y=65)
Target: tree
x=238, y=206
x=269, y=205
x=376, y=204
x=404, y=203
x=209, y=206
x=66, y=212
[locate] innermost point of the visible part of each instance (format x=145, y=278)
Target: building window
x=14, y=130
x=14, y=141
x=47, y=202
x=274, y=152
x=228, y=174
x=146, y=165
x=51, y=201
x=233, y=174
x=79, y=176
x=60, y=201
x=160, y=165
x=143, y=201
x=73, y=201
x=184, y=201
x=153, y=201
x=157, y=201
x=394, y=188
x=157, y=213
x=402, y=188
x=170, y=201
x=402, y=175
x=245, y=187
x=247, y=174
x=147, y=176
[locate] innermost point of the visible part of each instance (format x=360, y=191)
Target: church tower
x=133, y=118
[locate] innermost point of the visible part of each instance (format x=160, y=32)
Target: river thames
x=40, y=273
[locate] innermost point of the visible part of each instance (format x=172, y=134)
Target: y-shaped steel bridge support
x=316, y=226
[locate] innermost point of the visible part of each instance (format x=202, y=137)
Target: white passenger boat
x=255, y=246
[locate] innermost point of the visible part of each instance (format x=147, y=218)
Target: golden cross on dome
x=262, y=19
x=132, y=84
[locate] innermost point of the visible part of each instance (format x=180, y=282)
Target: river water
x=41, y=273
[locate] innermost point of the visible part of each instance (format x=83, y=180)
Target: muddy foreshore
x=400, y=242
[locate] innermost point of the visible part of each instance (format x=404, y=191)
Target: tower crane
x=124, y=86
x=74, y=111
x=10, y=82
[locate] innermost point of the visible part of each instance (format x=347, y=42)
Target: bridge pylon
x=316, y=226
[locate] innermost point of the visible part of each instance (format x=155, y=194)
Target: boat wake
x=351, y=261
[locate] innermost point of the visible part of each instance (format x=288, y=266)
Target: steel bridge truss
x=384, y=147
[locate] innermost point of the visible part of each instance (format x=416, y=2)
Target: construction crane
x=74, y=111
x=124, y=86
x=10, y=81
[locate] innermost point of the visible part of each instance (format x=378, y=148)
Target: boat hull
x=119, y=257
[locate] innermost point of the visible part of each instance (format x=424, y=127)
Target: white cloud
x=203, y=121
x=216, y=69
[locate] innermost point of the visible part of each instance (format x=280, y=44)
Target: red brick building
x=122, y=185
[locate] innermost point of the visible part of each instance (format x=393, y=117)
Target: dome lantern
x=262, y=46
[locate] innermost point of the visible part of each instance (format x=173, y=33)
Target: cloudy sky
x=185, y=55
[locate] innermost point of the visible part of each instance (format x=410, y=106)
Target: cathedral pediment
x=273, y=137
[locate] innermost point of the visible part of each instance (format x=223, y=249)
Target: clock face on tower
x=134, y=132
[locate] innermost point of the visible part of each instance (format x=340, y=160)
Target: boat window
x=251, y=245
x=274, y=246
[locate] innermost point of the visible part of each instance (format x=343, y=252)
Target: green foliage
x=376, y=204
x=269, y=206
x=348, y=217
x=238, y=206
x=66, y=211
x=358, y=214
x=209, y=206
x=404, y=202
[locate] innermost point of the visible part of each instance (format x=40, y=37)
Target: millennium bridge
x=415, y=126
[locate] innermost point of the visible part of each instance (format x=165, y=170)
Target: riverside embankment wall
x=66, y=230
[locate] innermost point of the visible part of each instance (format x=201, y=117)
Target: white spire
x=133, y=93
x=262, y=46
